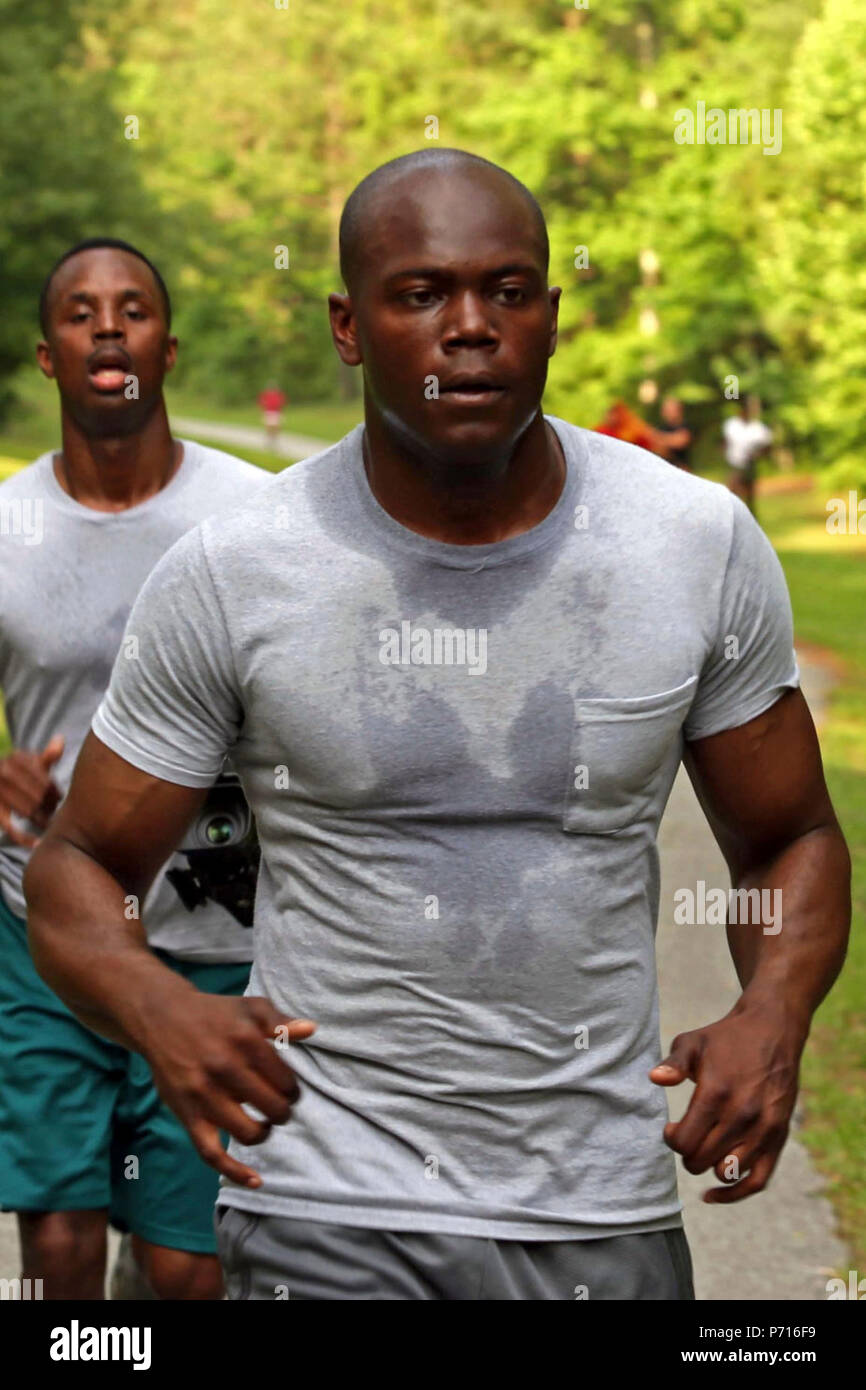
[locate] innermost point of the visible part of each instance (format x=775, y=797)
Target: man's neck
x=115, y=472
x=465, y=506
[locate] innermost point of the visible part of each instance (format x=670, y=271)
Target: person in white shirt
x=747, y=439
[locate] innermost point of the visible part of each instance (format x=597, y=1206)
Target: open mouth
x=108, y=374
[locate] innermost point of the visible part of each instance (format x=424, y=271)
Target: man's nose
x=470, y=320
x=107, y=323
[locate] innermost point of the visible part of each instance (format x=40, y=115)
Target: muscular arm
x=85, y=880
x=209, y=1053
x=763, y=792
x=762, y=789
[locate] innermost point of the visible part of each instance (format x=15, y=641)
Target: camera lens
x=219, y=830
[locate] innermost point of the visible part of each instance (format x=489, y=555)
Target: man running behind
x=83, y=1133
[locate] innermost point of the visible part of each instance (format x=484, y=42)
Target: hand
x=746, y=1067
x=28, y=789
x=210, y=1052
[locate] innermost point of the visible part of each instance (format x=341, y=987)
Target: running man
x=83, y=1133
x=673, y=436
x=272, y=403
x=457, y=659
x=747, y=439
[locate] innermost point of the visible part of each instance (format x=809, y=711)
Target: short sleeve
x=752, y=662
x=172, y=707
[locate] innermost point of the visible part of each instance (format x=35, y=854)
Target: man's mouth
x=480, y=390
x=108, y=379
x=108, y=373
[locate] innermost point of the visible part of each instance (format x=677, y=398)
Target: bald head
x=383, y=187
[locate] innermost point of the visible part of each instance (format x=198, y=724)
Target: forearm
x=88, y=943
x=791, y=958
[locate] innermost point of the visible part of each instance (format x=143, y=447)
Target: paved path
x=289, y=446
x=779, y=1244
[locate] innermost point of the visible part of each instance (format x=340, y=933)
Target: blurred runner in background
x=272, y=402
x=673, y=436
x=747, y=439
x=621, y=422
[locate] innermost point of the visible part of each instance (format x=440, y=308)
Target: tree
x=67, y=172
x=256, y=122
x=814, y=264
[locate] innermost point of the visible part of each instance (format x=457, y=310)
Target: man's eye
x=136, y=313
x=419, y=297
x=82, y=314
x=512, y=294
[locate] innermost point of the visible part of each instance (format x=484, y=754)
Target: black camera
x=222, y=849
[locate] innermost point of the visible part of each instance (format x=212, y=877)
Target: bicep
x=761, y=785
x=127, y=820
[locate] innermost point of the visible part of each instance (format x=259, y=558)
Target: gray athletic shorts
x=275, y=1257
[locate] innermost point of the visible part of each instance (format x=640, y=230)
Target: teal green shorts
x=82, y=1126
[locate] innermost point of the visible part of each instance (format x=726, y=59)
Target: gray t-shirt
x=68, y=578
x=458, y=757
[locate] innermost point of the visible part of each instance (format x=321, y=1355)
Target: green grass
x=34, y=426
x=273, y=463
x=35, y=423
x=827, y=580
x=324, y=420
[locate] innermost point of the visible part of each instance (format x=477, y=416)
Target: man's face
x=453, y=298
x=672, y=411
x=108, y=345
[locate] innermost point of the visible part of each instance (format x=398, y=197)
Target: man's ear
x=170, y=352
x=44, y=359
x=344, y=329
x=555, y=293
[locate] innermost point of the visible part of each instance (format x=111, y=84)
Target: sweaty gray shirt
x=458, y=757
x=68, y=578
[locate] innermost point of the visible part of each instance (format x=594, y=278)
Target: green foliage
x=815, y=254
x=846, y=474
x=66, y=171
x=256, y=122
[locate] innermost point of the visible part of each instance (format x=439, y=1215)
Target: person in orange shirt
x=620, y=422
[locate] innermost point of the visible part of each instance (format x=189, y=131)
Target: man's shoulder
x=20, y=482
x=219, y=484
x=640, y=478
x=217, y=466
x=287, y=505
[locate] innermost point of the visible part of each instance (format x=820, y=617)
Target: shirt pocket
x=618, y=749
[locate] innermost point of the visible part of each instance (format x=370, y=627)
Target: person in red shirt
x=271, y=403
